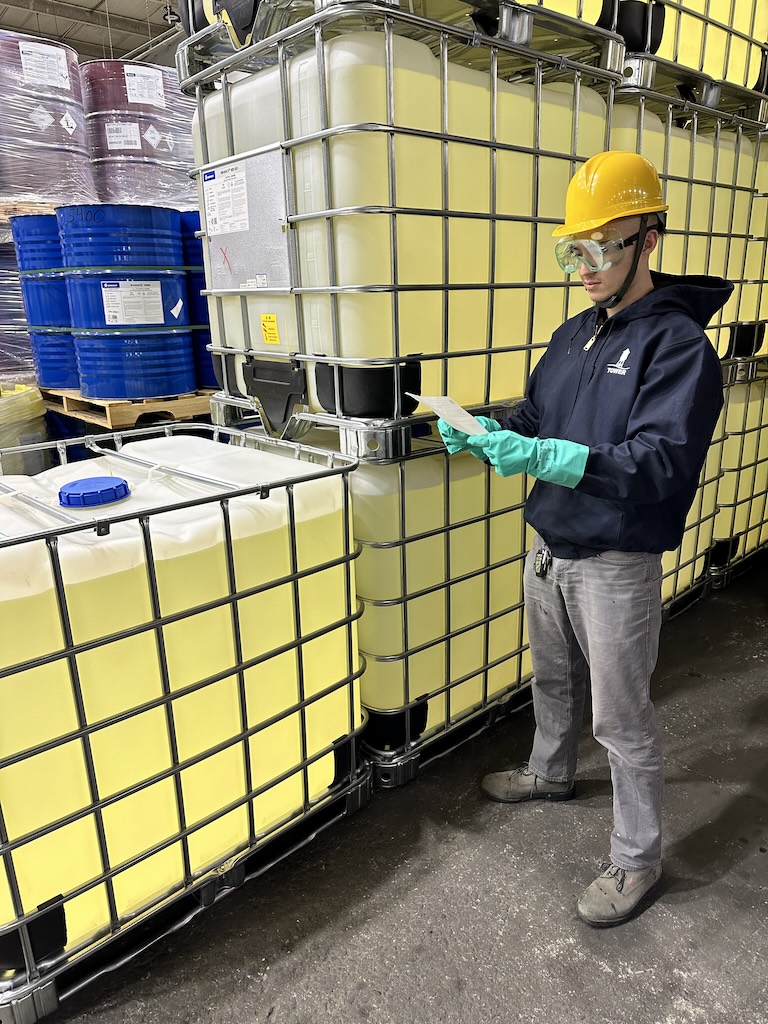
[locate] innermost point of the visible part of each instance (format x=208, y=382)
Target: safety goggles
x=601, y=251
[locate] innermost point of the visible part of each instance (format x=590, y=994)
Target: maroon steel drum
x=43, y=142
x=140, y=133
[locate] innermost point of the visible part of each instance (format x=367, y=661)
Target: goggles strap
x=615, y=299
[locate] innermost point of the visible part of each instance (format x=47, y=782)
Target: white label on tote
x=123, y=135
x=226, y=200
x=41, y=118
x=132, y=302
x=44, y=65
x=144, y=85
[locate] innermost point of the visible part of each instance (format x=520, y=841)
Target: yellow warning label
x=269, y=329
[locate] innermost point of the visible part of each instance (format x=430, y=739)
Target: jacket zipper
x=586, y=348
x=600, y=348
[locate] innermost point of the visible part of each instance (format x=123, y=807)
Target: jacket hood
x=697, y=295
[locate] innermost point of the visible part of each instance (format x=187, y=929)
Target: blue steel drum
x=127, y=298
x=134, y=363
x=198, y=304
x=36, y=238
x=204, y=372
x=46, y=301
x=114, y=234
x=53, y=353
x=193, y=247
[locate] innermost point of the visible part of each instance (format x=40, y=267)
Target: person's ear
x=651, y=241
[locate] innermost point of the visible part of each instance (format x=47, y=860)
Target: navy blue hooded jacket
x=644, y=398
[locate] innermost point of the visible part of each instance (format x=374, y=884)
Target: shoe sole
x=641, y=904
x=557, y=797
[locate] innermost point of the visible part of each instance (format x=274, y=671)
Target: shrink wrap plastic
x=43, y=145
x=139, y=127
x=16, y=363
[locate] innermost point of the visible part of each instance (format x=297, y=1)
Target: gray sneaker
x=523, y=784
x=616, y=895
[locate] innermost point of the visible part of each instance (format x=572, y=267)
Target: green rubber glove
x=456, y=440
x=551, y=459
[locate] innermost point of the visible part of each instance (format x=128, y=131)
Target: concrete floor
x=433, y=904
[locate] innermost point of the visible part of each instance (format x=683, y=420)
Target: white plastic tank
x=686, y=565
x=430, y=250
x=132, y=709
x=421, y=577
x=700, y=34
x=741, y=493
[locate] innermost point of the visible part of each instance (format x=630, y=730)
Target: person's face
x=603, y=249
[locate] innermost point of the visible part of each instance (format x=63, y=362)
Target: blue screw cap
x=93, y=490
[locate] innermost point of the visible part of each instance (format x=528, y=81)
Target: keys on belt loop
x=542, y=562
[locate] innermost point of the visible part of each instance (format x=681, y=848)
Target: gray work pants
x=598, y=619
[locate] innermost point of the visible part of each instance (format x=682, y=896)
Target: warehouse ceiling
x=100, y=28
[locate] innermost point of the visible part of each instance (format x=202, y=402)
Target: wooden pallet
x=10, y=209
x=116, y=414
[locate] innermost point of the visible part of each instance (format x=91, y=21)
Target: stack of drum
x=128, y=300
x=106, y=292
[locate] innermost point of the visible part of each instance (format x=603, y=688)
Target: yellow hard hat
x=608, y=186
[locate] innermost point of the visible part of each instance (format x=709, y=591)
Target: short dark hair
x=660, y=225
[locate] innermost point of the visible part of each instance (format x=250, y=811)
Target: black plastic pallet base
x=679, y=604
x=30, y=1002
x=723, y=575
x=392, y=769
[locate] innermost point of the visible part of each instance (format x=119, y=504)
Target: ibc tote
x=191, y=681
x=442, y=543
x=742, y=492
x=427, y=246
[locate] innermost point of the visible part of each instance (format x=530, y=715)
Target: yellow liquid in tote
x=647, y=134
x=753, y=303
x=390, y=506
x=106, y=589
x=531, y=186
x=752, y=20
x=699, y=526
x=683, y=38
x=744, y=414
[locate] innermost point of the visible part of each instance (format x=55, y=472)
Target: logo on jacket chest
x=620, y=366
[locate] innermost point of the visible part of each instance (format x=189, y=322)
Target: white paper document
x=451, y=412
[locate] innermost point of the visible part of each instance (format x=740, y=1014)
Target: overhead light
x=170, y=15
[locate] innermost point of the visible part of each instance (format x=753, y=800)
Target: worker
x=615, y=426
